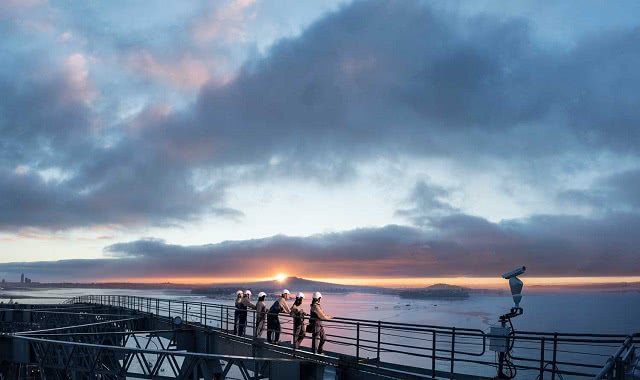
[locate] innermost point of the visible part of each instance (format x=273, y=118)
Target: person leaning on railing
x=261, y=314
x=245, y=304
x=298, y=313
x=315, y=322
x=273, y=322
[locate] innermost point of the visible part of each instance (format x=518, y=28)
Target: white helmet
x=239, y=293
x=300, y=295
x=262, y=294
x=286, y=291
x=247, y=292
x=317, y=295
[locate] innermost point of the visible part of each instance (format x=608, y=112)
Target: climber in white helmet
x=236, y=312
x=298, y=313
x=273, y=322
x=261, y=314
x=245, y=304
x=317, y=316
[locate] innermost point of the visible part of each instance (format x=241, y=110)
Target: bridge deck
x=133, y=337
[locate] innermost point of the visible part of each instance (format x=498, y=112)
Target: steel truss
x=70, y=342
x=63, y=360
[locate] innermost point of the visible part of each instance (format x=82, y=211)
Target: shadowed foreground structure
x=122, y=337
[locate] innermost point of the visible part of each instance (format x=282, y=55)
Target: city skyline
x=356, y=141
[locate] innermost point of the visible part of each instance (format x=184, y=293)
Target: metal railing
x=615, y=366
x=425, y=349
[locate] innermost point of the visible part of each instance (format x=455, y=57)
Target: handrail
x=440, y=344
x=610, y=365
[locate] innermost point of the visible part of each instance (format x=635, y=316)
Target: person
x=297, y=312
x=317, y=316
x=244, y=305
x=273, y=321
x=261, y=314
x=236, y=313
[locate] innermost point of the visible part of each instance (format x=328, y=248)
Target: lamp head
x=516, y=272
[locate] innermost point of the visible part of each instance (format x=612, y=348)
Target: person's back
x=236, y=311
x=247, y=304
x=261, y=309
x=261, y=313
x=317, y=316
x=273, y=320
x=242, y=307
x=298, y=313
x=284, y=307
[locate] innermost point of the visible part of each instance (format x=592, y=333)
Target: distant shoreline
x=300, y=284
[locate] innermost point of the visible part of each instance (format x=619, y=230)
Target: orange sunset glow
x=410, y=282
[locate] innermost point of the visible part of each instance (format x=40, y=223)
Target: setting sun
x=281, y=277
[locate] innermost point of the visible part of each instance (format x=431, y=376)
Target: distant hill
x=293, y=284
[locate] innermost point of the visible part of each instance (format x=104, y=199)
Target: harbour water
x=593, y=312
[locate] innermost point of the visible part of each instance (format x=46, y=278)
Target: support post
x=555, y=352
x=357, y=342
x=433, y=354
x=453, y=350
x=378, y=345
x=541, y=376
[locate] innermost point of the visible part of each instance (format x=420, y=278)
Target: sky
x=359, y=141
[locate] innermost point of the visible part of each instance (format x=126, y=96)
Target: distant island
x=437, y=291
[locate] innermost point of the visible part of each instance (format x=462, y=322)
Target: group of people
x=270, y=317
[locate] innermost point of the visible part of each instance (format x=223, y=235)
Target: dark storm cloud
x=46, y=124
x=391, y=78
x=616, y=192
x=60, y=167
x=371, y=80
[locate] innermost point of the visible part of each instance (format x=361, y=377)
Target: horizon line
x=385, y=282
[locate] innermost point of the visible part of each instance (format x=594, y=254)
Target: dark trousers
x=273, y=329
x=236, y=315
x=318, y=333
x=298, y=333
x=242, y=322
x=261, y=323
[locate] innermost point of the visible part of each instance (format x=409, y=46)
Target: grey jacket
x=245, y=301
x=319, y=312
x=284, y=308
x=262, y=310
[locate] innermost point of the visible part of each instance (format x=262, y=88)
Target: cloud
x=394, y=79
x=452, y=245
x=427, y=201
x=186, y=72
x=619, y=192
x=365, y=82
x=226, y=22
x=370, y=80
